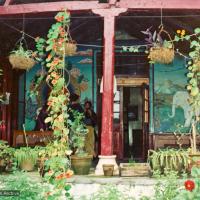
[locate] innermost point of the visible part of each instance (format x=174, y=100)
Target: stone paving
x=85, y=186
x=90, y=184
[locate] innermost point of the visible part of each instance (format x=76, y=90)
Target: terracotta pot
x=81, y=165
x=108, y=169
x=27, y=165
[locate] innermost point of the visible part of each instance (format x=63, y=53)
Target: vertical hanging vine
x=55, y=64
x=193, y=75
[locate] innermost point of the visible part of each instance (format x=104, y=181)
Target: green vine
x=193, y=75
x=55, y=63
x=56, y=163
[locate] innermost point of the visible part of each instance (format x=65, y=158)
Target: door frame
x=132, y=82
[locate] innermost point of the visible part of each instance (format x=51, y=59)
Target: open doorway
x=131, y=121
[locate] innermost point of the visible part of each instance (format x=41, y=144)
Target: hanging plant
x=193, y=75
x=161, y=51
x=55, y=64
x=57, y=78
x=158, y=50
x=67, y=46
x=22, y=58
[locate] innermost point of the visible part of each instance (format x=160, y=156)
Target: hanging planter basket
x=68, y=49
x=21, y=58
x=21, y=61
x=161, y=54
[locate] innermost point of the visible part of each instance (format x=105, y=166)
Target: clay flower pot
x=108, y=169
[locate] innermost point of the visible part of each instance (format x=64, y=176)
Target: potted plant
x=26, y=158
x=6, y=156
x=168, y=159
x=80, y=160
x=21, y=58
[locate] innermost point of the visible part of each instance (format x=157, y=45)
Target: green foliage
x=78, y=132
x=55, y=63
x=166, y=187
x=26, y=153
x=29, y=188
x=20, y=51
x=6, y=155
x=109, y=192
x=193, y=80
x=57, y=164
x=170, y=159
x=184, y=194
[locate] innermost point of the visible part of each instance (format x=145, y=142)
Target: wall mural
x=80, y=83
x=172, y=111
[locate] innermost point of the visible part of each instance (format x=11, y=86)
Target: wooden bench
x=169, y=140
x=33, y=137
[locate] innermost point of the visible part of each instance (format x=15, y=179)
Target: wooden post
x=108, y=76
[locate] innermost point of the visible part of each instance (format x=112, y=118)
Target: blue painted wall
x=169, y=86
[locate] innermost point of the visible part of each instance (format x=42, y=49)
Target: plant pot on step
x=108, y=169
x=81, y=164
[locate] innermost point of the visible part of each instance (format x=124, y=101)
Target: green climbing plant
x=54, y=64
x=193, y=75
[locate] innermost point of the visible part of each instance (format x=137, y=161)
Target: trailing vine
x=55, y=64
x=193, y=75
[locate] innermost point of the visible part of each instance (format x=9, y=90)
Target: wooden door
x=121, y=148
x=118, y=123
x=145, y=128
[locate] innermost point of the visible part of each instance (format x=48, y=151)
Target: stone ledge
x=89, y=179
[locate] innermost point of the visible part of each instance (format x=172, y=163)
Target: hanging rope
x=88, y=45
x=161, y=17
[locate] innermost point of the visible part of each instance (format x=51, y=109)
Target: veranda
x=141, y=104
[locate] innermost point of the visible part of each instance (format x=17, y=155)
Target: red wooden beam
x=108, y=76
x=156, y=4
x=7, y=2
x=88, y=5
x=51, y=7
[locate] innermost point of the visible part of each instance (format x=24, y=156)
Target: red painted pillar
x=108, y=76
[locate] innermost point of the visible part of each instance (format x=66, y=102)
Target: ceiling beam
x=89, y=5
x=157, y=4
x=51, y=7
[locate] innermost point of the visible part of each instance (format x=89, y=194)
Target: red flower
x=189, y=185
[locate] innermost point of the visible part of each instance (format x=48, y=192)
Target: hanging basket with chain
x=160, y=53
x=22, y=58
x=67, y=48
